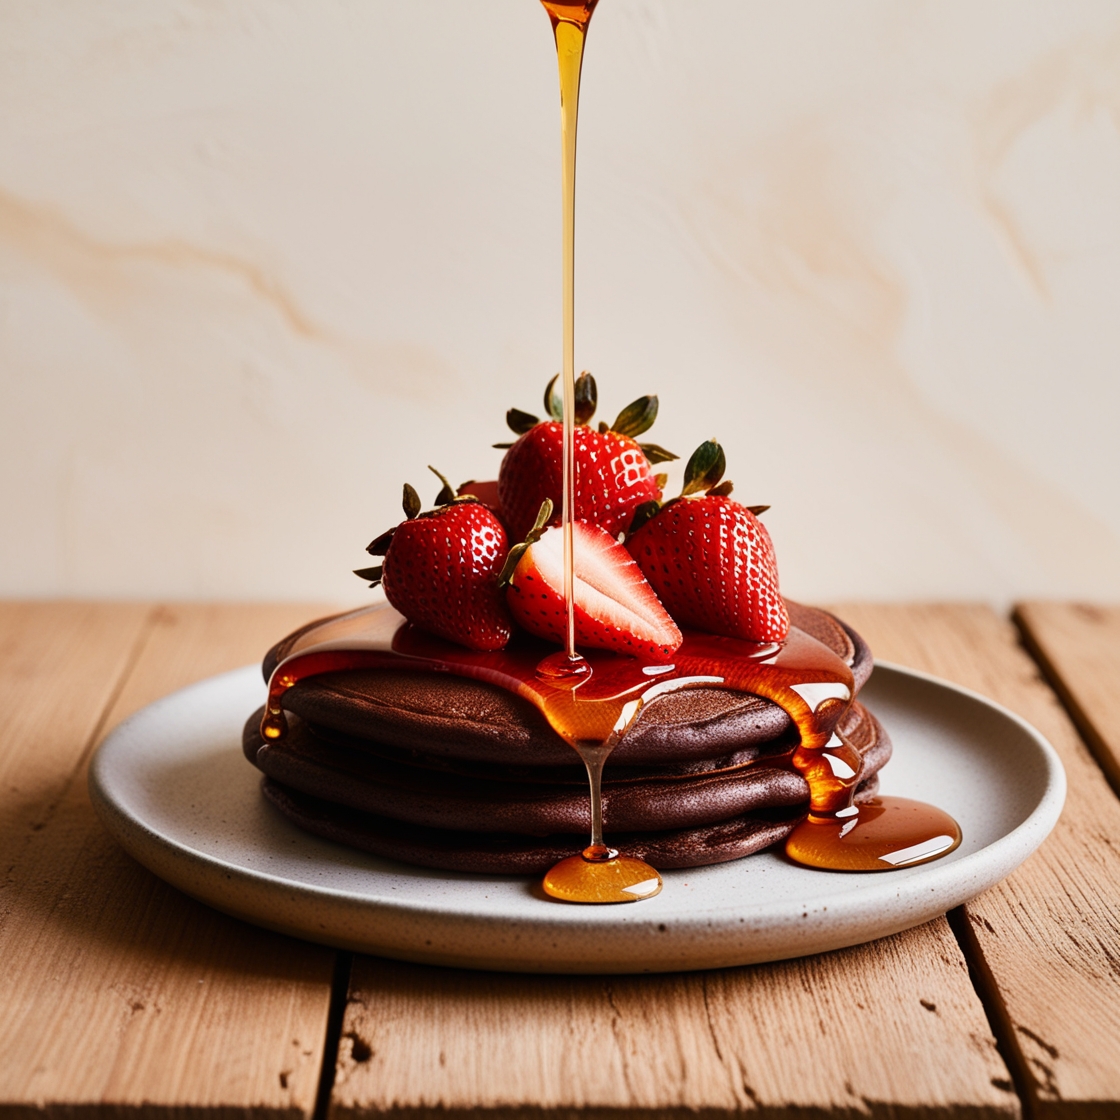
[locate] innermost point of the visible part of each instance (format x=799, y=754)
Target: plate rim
x=1004, y=853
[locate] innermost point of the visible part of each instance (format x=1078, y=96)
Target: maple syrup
x=598, y=873
x=591, y=701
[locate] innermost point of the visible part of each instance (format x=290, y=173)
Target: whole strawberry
x=710, y=559
x=613, y=471
x=441, y=570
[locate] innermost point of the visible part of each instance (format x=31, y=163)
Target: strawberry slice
x=709, y=558
x=615, y=608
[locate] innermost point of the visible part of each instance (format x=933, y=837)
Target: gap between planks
x=1077, y=647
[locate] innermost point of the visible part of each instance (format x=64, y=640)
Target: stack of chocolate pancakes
x=456, y=774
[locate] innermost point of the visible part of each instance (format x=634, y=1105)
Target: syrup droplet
x=600, y=874
x=562, y=670
x=882, y=834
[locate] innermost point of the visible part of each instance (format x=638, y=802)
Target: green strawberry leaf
x=380, y=545
x=661, y=481
x=553, y=401
x=372, y=574
x=513, y=557
x=544, y=516
x=636, y=418
x=520, y=422
x=758, y=510
x=410, y=502
x=656, y=454
x=705, y=468
x=587, y=397
x=723, y=489
x=447, y=493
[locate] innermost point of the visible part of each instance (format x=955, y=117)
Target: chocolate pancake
x=456, y=774
x=540, y=801
x=466, y=719
x=504, y=853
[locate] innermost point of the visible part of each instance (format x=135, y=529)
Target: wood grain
x=122, y=996
x=1078, y=647
x=892, y=1028
x=60, y=664
x=1048, y=937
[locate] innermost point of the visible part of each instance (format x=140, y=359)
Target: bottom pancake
x=496, y=853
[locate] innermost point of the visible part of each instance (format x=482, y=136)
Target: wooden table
x=122, y=997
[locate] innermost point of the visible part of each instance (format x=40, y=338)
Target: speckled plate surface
x=173, y=787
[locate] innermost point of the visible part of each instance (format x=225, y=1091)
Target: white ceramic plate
x=173, y=787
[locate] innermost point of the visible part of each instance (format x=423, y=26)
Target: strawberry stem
x=447, y=494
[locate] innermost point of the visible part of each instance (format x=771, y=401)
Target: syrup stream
x=593, y=879
x=569, y=29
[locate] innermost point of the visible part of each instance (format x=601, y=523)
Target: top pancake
x=440, y=714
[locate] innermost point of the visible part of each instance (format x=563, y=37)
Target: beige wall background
x=261, y=262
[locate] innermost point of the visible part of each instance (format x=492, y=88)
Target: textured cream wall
x=260, y=262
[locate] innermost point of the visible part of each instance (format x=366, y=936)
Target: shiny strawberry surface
x=712, y=564
x=441, y=573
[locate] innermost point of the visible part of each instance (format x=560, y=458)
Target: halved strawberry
x=615, y=608
x=441, y=570
x=710, y=559
x=613, y=471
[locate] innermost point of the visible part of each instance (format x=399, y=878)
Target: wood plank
x=123, y=996
x=1049, y=935
x=892, y=1028
x=1078, y=647
x=59, y=666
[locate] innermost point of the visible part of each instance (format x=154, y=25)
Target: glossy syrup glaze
x=593, y=709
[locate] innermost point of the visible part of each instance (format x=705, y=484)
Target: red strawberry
x=613, y=471
x=710, y=559
x=615, y=608
x=441, y=571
